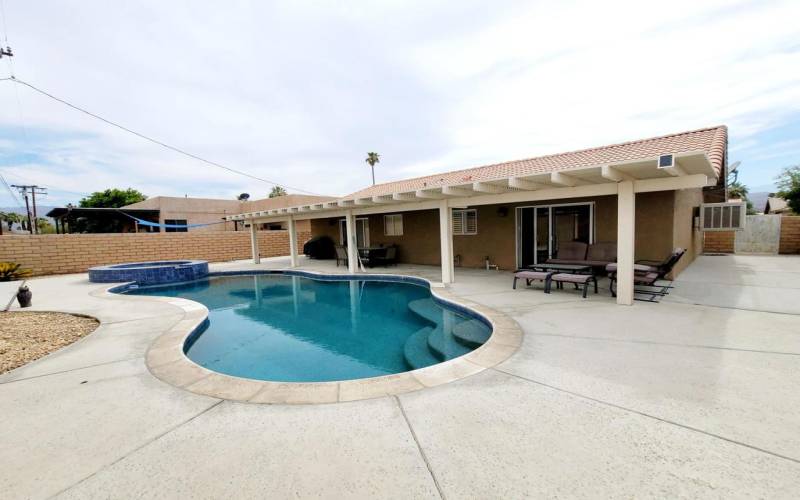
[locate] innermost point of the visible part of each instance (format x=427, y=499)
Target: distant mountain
x=41, y=210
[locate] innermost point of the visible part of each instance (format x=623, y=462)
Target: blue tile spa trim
x=150, y=273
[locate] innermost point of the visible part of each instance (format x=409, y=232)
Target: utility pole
x=23, y=189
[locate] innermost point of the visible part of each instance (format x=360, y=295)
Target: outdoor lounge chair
x=581, y=281
x=530, y=276
x=647, y=272
x=341, y=255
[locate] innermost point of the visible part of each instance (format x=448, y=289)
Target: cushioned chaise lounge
x=647, y=272
x=529, y=276
x=581, y=281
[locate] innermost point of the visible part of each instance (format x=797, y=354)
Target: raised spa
x=290, y=328
x=149, y=273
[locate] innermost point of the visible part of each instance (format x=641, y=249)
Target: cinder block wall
x=75, y=253
x=718, y=241
x=790, y=235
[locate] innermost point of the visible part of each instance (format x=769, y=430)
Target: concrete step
x=427, y=309
x=416, y=351
x=472, y=333
x=444, y=345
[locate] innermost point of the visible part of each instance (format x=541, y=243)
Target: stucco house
x=182, y=211
x=643, y=195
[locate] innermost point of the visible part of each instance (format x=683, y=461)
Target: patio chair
x=387, y=257
x=647, y=272
x=341, y=255
x=570, y=252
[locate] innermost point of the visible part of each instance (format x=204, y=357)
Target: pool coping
x=166, y=360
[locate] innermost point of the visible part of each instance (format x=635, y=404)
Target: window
x=393, y=225
x=178, y=222
x=722, y=216
x=465, y=221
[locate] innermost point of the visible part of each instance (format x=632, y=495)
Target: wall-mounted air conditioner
x=723, y=216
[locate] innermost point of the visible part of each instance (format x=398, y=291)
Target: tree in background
x=243, y=197
x=789, y=185
x=739, y=191
x=44, y=226
x=372, y=159
x=112, y=198
x=277, y=191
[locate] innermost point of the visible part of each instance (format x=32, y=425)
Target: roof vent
x=666, y=161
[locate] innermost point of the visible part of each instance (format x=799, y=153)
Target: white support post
x=254, y=242
x=352, y=248
x=626, y=219
x=446, y=241
x=293, y=242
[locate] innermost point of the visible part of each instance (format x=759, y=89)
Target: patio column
x=352, y=248
x=293, y=242
x=446, y=241
x=254, y=243
x=626, y=218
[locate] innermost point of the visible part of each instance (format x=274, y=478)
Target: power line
x=10, y=191
x=150, y=139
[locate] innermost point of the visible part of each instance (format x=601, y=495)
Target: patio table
x=369, y=253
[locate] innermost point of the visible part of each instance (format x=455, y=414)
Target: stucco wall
x=685, y=235
x=73, y=253
x=496, y=236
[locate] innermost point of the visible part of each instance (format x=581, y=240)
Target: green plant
x=789, y=184
x=112, y=198
x=10, y=271
x=277, y=191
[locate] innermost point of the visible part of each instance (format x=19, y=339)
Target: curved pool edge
x=166, y=360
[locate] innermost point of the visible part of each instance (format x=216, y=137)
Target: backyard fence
x=75, y=253
x=770, y=234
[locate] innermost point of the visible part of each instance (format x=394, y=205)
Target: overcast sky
x=298, y=92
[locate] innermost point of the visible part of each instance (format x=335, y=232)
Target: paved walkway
x=693, y=397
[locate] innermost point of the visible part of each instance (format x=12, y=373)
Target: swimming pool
x=290, y=328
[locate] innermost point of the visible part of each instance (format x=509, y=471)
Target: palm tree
x=372, y=159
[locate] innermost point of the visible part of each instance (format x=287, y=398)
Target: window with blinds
x=393, y=225
x=722, y=216
x=465, y=221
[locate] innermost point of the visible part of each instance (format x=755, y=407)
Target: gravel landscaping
x=27, y=336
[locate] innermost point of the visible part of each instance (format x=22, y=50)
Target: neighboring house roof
x=178, y=203
x=776, y=206
x=712, y=141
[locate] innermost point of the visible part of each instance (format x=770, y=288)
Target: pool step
x=444, y=345
x=427, y=309
x=472, y=333
x=416, y=351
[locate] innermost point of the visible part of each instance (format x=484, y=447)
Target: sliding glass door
x=362, y=233
x=541, y=230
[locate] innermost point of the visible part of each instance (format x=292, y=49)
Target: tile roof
x=713, y=141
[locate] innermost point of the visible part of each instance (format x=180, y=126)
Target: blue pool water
x=296, y=329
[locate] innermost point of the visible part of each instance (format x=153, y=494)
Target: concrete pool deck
x=693, y=397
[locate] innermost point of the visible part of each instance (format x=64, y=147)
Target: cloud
x=298, y=92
